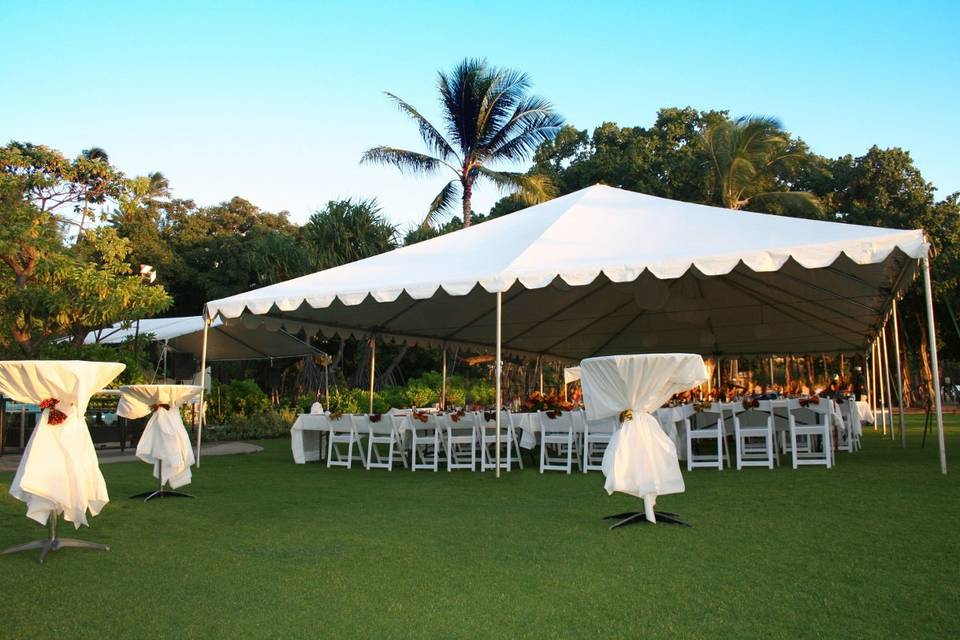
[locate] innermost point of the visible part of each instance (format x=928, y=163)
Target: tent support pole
x=203, y=383
x=443, y=382
x=934, y=365
x=882, y=403
x=771, y=372
x=326, y=386
x=499, y=367
x=373, y=362
x=886, y=363
x=896, y=353
x=540, y=367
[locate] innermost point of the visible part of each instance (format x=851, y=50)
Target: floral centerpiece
x=537, y=401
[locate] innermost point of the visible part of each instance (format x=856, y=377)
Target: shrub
x=268, y=424
x=239, y=398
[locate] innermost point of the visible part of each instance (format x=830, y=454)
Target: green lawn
x=274, y=549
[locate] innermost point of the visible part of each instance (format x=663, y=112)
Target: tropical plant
x=743, y=155
x=488, y=118
x=345, y=231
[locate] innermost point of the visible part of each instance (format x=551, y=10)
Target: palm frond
x=408, y=161
x=531, y=188
x=442, y=204
x=431, y=137
x=801, y=203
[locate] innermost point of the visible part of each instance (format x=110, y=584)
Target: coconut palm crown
x=488, y=118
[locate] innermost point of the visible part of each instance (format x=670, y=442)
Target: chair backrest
x=343, y=424
x=605, y=425
x=754, y=417
x=434, y=421
x=562, y=422
x=382, y=427
x=706, y=419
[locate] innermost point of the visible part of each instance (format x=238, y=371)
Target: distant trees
x=58, y=279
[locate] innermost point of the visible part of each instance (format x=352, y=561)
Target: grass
x=273, y=549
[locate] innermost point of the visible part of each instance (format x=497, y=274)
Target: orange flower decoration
x=54, y=415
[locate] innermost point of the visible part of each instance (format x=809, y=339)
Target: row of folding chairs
x=804, y=433
x=464, y=442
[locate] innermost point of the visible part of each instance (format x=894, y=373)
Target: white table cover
x=641, y=459
x=164, y=443
x=863, y=409
x=59, y=470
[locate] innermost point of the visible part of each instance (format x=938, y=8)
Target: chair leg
x=689, y=453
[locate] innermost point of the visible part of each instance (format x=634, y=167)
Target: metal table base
x=640, y=517
x=160, y=492
x=53, y=543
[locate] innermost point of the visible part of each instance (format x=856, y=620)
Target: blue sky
x=275, y=101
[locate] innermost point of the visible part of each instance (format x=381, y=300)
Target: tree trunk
x=385, y=376
x=467, y=197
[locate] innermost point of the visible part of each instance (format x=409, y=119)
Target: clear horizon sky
x=276, y=101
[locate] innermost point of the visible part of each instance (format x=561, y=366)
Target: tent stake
x=203, y=382
x=499, y=367
x=896, y=352
x=934, y=365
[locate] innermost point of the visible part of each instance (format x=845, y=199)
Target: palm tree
x=488, y=118
x=743, y=154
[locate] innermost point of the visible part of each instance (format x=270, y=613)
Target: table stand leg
x=640, y=517
x=53, y=543
x=160, y=492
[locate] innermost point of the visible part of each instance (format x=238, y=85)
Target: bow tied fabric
x=641, y=459
x=164, y=442
x=59, y=471
x=54, y=415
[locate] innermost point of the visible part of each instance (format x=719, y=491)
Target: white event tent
x=185, y=334
x=606, y=271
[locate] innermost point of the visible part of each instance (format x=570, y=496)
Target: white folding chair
x=558, y=448
x=706, y=426
x=754, y=439
x=596, y=438
x=343, y=430
x=813, y=426
x=508, y=442
x=382, y=431
x=425, y=440
x=461, y=442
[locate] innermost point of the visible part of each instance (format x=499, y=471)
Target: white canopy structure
x=225, y=342
x=605, y=271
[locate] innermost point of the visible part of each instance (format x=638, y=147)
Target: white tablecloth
x=671, y=420
x=528, y=425
x=641, y=459
x=866, y=415
x=164, y=443
x=59, y=470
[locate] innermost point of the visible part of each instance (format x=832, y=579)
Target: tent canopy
x=225, y=341
x=607, y=271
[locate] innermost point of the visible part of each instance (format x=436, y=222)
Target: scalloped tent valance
x=607, y=271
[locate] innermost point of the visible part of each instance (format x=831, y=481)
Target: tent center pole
x=934, y=365
x=203, y=383
x=499, y=368
x=443, y=382
x=373, y=363
x=896, y=353
x=886, y=367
